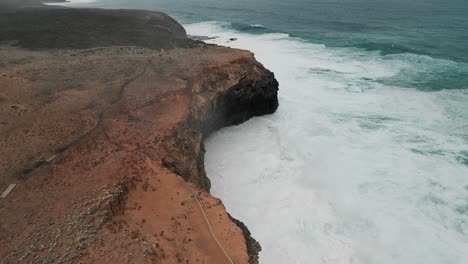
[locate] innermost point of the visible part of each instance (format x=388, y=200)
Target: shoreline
x=124, y=117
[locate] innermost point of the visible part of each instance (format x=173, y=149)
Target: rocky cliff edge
x=104, y=139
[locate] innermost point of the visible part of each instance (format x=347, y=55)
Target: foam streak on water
x=71, y=2
x=354, y=167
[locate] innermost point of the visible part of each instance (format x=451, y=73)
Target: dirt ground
x=103, y=135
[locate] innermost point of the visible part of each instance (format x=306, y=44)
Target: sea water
x=366, y=159
x=353, y=168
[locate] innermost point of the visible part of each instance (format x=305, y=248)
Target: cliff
x=103, y=135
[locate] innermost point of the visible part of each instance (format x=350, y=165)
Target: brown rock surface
x=126, y=125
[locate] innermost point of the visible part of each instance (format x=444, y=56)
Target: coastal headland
x=103, y=114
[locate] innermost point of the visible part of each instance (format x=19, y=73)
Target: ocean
x=366, y=159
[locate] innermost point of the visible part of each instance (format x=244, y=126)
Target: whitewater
x=71, y=3
x=366, y=159
x=355, y=166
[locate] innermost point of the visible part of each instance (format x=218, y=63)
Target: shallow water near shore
x=366, y=160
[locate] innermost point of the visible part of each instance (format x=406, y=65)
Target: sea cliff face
x=221, y=95
x=104, y=138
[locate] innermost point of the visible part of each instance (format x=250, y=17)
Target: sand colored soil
x=122, y=128
x=102, y=119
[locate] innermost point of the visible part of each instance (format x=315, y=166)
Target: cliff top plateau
x=102, y=119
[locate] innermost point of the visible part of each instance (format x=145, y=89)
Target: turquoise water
x=435, y=28
x=366, y=159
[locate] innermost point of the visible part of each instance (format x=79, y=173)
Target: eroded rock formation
x=106, y=143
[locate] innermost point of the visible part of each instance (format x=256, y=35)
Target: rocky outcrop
x=106, y=146
x=253, y=247
x=247, y=90
x=46, y=28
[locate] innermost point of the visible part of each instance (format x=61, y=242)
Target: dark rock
x=250, y=97
x=253, y=247
x=202, y=38
x=60, y=28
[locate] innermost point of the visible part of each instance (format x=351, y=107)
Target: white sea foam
x=349, y=170
x=72, y=2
